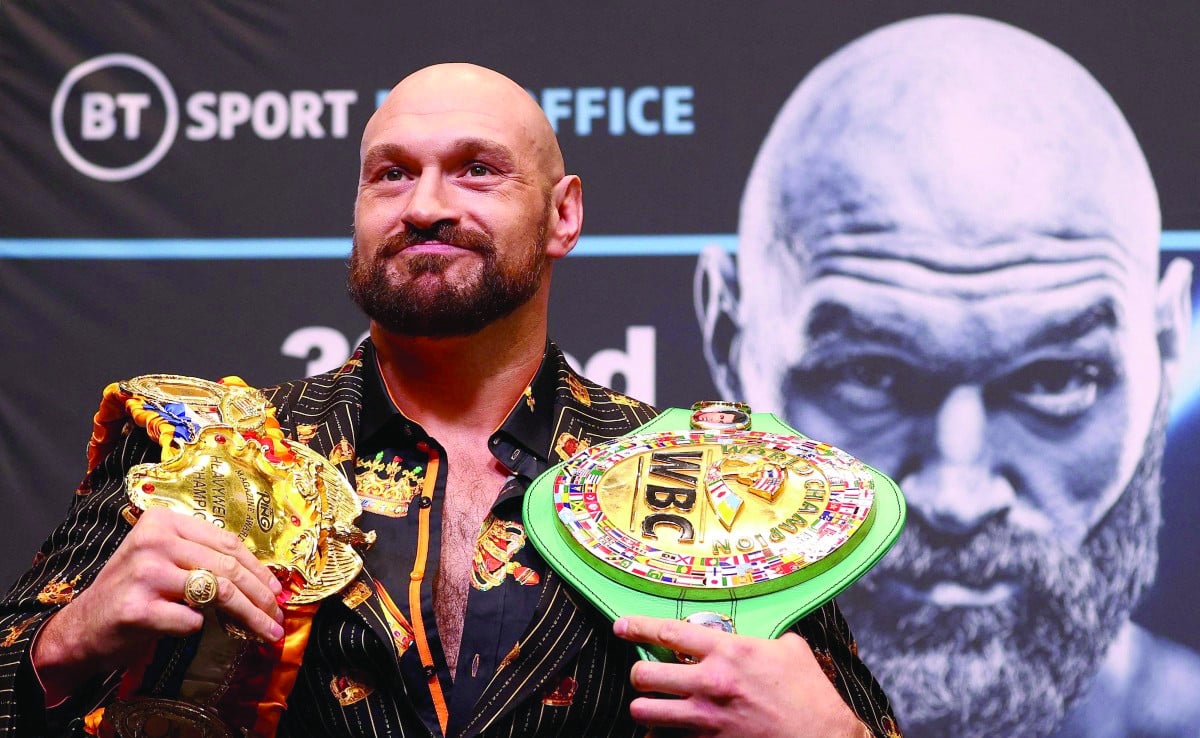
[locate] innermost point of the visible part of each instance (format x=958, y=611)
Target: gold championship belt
x=226, y=461
x=716, y=516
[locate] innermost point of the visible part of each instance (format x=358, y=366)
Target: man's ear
x=715, y=298
x=1174, y=316
x=566, y=223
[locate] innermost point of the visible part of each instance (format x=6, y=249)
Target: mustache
x=998, y=552
x=440, y=232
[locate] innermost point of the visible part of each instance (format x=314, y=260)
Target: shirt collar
x=378, y=412
x=529, y=423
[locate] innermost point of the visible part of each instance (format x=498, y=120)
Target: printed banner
x=958, y=247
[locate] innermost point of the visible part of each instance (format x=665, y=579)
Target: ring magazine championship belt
x=713, y=515
x=225, y=460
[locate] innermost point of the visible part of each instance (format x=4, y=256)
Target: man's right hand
x=138, y=597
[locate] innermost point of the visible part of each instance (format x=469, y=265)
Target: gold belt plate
x=295, y=513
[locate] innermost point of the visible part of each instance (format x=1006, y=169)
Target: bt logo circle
x=112, y=124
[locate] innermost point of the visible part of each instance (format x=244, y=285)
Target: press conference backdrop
x=176, y=185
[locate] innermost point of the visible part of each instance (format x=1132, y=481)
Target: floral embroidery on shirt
x=825, y=660
x=356, y=594
x=343, y=451
x=305, y=432
x=578, y=391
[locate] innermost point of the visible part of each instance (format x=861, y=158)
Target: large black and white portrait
x=948, y=264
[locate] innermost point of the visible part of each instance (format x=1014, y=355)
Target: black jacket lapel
x=323, y=413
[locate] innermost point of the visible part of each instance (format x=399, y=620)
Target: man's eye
x=867, y=384
x=878, y=375
x=393, y=174
x=478, y=170
x=1058, y=388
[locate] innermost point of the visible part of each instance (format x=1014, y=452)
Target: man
x=947, y=265
x=443, y=418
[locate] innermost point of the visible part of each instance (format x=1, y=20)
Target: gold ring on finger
x=200, y=588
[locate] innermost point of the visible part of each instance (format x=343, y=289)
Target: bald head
x=954, y=128
x=460, y=89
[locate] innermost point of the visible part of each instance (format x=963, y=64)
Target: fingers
x=715, y=683
x=701, y=697
x=655, y=676
x=174, y=619
x=207, y=534
x=740, y=686
x=189, y=555
x=676, y=635
x=246, y=589
x=234, y=601
x=664, y=713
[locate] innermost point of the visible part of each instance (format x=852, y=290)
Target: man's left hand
x=738, y=686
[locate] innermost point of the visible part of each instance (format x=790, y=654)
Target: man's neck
x=461, y=385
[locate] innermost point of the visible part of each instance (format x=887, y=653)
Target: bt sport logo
x=114, y=117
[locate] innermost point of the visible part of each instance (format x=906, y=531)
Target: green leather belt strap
x=761, y=526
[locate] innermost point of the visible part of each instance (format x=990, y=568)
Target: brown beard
x=1016, y=668
x=419, y=305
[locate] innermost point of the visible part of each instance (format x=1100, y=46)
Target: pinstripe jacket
x=566, y=642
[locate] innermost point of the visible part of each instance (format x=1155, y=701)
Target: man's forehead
x=1027, y=267
x=461, y=100
x=448, y=124
x=463, y=115
x=927, y=300
x=974, y=184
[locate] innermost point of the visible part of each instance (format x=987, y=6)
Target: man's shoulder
x=1139, y=690
x=588, y=409
x=1163, y=672
x=343, y=384
x=590, y=393
x=600, y=394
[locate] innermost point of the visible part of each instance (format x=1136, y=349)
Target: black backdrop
x=101, y=280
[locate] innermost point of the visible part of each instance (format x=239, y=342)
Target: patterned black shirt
x=401, y=470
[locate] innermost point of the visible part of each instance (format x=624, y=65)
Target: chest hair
x=474, y=481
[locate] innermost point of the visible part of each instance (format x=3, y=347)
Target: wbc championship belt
x=225, y=460
x=716, y=516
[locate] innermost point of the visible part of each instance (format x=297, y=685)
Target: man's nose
x=955, y=487
x=428, y=201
